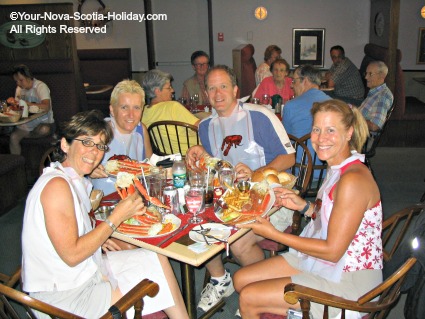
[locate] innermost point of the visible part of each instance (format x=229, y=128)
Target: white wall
x=408, y=34
x=346, y=23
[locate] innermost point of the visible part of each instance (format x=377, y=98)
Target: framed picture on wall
x=421, y=47
x=308, y=47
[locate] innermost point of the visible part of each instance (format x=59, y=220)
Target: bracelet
x=306, y=208
x=111, y=224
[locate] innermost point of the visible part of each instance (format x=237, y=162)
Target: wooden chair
x=134, y=298
x=303, y=169
x=393, y=231
x=369, y=148
x=319, y=169
x=47, y=158
x=170, y=137
x=388, y=293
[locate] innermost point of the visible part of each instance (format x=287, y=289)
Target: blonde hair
x=127, y=86
x=351, y=117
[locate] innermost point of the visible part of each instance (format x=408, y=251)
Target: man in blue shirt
x=296, y=117
x=263, y=142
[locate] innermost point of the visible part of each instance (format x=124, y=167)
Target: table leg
x=188, y=288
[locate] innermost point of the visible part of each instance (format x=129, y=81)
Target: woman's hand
x=193, y=155
x=243, y=172
x=99, y=172
x=261, y=227
x=286, y=197
x=110, y=245
x=128, y=207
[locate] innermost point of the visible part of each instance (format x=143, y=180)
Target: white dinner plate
x=266, y=211
x=217, y=230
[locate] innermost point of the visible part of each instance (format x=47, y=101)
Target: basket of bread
x=272, y=176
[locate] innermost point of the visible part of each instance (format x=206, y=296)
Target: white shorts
x=352, y=285
x=90, y=300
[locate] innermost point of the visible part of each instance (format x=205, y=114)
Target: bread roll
x=257, y=176
x=284, y=177
x=268, y=171
x=272, y=179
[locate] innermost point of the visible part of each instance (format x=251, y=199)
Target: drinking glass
x=194, y=198
x=196, y=99
x=226, y=176
x=182, y=101
x=196, y=179
x=265, y=99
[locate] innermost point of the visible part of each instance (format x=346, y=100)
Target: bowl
x=103, y=212
x=10, y=117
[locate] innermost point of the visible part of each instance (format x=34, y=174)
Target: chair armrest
x=295, y=293
x=11, y=281
x=134, y=298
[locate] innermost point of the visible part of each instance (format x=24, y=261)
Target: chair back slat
x=170, y=137
x=319, y=169
x=303, y=164
x=392, y=234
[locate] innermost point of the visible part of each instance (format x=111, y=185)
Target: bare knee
x=43, y=129
x=247, y=299
x=239, y=280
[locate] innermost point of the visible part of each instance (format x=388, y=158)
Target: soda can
x=218, y=192
x=171, y=199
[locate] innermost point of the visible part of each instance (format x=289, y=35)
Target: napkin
x=24, y=107
x=155, y=158
x=198, y=247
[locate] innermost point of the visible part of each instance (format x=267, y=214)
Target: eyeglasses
x=369, y=74
x=169, y=88
x=294, y=79
x=200, y=65
x=90, y=143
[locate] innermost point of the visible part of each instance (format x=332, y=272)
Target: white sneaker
x=214, y=291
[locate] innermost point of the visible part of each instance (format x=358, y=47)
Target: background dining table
x=23, y=120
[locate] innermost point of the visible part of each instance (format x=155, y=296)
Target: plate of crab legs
x=150, y=224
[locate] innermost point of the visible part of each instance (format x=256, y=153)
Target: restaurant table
x=24, y=120
x=177, y=249
x=98, y=88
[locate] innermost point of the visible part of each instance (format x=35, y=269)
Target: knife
x=174, y=235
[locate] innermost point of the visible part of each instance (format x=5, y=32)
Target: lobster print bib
x=232, y=139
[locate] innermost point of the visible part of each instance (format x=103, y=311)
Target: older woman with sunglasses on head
x=161, y=107
x=340, y=249
x=62, y=263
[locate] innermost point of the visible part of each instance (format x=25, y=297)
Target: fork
x=203, y=232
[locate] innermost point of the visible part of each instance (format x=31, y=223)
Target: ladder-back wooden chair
x=11, y=298
x=319, y=169
x=394, y=229
x=303, y=169
x=171, y=137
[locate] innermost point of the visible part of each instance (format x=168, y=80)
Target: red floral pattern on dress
x=365, y=250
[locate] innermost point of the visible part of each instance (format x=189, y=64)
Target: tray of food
x=242, y=207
